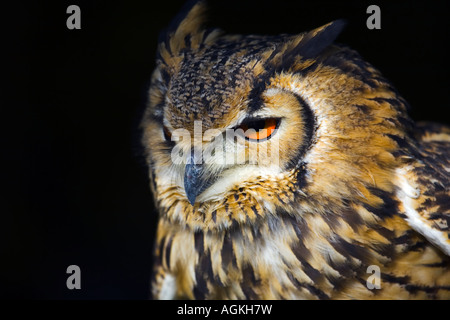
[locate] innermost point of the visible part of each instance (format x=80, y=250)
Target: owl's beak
x=195, y=181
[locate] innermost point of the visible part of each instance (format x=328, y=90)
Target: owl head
x=242, y=127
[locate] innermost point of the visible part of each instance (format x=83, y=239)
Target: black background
x=75, y=188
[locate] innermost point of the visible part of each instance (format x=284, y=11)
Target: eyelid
x=265, y=132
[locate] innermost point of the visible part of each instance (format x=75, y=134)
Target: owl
x=287, y=167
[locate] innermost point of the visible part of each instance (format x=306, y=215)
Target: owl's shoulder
x=424, y=184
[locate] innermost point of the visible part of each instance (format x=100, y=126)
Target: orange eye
x=259, y=129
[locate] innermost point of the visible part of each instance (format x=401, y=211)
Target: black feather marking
x=201, y=288
x=198, y=240
x=160, y=250
x=312, y=289
x=404, y=239
x=203, y=270
x=255, y=95
x=390, y=101
x=405, y=122
x=165, y=76
x=294, y=280
x=187, y=40
x=389, y=207
x=336, y=281
x=317, y=292
x=419, y=246
x=342, y=268
x=309, y=122
x=302, y=253
x=349, y=249
x=401, y=142
x=249, y=281
x=167, y=252
x=354, y=220
x=152, y=177
x=442, y=264
x=309, y=126
x=255, y=211
x=362, y=108
x=301, y=176
x=412, y=288
x=309, y=270
x=227, y=252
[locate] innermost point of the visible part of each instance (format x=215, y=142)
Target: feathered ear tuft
x=317, y=40
x=187, y=31
x=306, y=45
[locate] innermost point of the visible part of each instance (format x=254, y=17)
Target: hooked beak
x=195, y=180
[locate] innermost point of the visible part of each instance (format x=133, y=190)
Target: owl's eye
x=259, y=129
x=167, y=133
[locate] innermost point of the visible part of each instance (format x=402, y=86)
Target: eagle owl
x=286, y=167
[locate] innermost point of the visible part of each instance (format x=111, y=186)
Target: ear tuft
x=307, y=45
x=186, y=30
x=315, y=41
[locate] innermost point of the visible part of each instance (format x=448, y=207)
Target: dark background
x=75, y=188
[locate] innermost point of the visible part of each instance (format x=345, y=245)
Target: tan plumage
x=356, y=183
